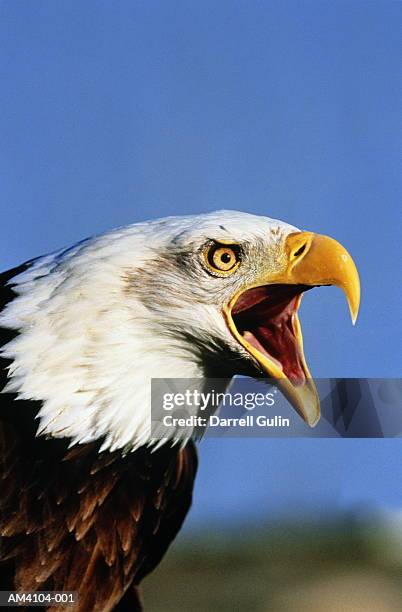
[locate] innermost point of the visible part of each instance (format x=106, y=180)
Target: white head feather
x=97, y=321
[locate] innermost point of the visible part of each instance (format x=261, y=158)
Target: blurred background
x=113, y=113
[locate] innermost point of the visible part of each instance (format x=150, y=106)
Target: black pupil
x=226, y=258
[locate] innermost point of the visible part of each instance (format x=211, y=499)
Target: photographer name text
x=216, y=421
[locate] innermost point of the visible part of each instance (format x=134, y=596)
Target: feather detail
x=72, y=517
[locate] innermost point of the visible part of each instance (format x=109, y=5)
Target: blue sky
x=117, y=112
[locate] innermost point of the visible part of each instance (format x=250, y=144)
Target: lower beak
x=312, y=260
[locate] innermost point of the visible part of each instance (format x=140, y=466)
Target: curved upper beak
x=320, y=260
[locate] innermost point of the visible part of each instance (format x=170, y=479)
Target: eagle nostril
x=300, y=250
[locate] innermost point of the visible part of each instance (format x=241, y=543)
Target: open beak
x=263, y=318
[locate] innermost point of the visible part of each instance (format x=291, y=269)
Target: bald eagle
x=88, y=503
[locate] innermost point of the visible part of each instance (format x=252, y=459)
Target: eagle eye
x=222, y=259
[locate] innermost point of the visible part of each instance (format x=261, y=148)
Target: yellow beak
x=321, y=260
x=311, y=259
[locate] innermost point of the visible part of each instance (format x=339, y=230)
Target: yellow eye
x=223, y=259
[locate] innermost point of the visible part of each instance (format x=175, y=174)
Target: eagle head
x=207, y=295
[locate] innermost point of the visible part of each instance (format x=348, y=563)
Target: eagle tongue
x=267, y=324
x=278, y=341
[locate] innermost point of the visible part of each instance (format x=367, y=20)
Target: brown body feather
x=79, y=520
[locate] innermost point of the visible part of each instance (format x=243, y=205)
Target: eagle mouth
x=263, y=318
x=266, y=320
